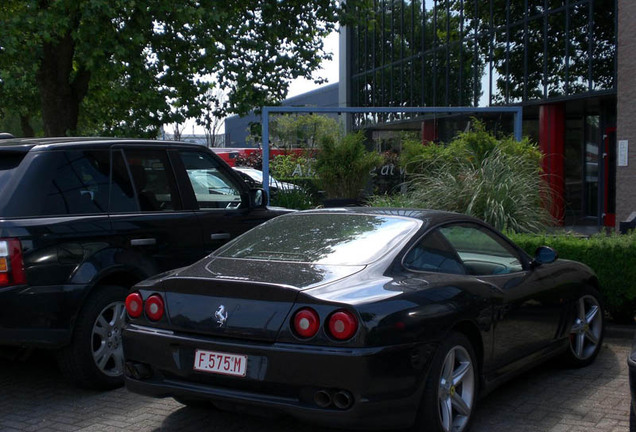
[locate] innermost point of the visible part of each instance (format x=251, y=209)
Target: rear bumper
x=38, y=316
x=384, y=383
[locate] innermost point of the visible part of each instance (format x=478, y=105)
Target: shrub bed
x=612, y=257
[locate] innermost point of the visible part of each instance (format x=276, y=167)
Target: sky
x=329, y=71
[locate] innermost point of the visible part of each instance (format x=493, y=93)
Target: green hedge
x=612, y=257
x=307, y=197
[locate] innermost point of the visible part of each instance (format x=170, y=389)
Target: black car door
x=220, y=197
x=154, y=228
x=528, y=311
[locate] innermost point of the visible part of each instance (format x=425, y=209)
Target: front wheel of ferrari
x=450, y=392
x=586, y=331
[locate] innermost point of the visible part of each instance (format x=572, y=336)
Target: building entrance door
x=609, y=177
x=592, y=154
x=590, y=171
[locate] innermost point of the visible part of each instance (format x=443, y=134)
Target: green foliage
x=415, y=156
x=303, y=131
x=127, y=67
x=298, y=199
x=471, y=146
x=494, y=179
x=292, y=165
x=283, y=165
x=344, y=166
x=610, y=256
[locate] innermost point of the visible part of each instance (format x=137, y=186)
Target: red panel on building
x=552, y=143
x=429, y=131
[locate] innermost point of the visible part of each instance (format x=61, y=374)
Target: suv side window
x=212, y=187
x=122, y=195
x=153, y=179
x=79, y=183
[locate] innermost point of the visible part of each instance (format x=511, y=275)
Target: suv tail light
x=342, y=325
x=11, y=263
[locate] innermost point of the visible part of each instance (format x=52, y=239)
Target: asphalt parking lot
x=35, y=397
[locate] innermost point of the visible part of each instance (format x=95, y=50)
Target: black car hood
x=241, y=298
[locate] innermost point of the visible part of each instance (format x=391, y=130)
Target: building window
x=481, y=53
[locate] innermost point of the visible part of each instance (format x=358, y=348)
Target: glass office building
x=555, y=58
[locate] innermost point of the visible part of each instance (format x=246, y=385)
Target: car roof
x=427, y=216
x=58, y=143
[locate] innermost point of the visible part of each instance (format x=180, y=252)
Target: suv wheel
x=95, y=357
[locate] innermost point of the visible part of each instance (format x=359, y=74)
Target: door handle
x=143, y=242
x=220, y=236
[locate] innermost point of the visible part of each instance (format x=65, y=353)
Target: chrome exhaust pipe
x=343, y=400
x=322, y=398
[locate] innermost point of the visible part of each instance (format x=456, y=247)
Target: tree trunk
x=60, y=94
x=25, y=125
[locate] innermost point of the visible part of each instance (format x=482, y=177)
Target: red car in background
x=230, y=154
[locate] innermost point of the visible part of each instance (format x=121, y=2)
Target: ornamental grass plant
x=498, y=180
x=505, y=190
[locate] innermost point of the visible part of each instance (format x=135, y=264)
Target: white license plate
x=220, y=363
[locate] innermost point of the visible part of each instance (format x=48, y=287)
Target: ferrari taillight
x=134, y=305
x=11, y=263
x=154, y=307
x=342, y=325
x=306, y=323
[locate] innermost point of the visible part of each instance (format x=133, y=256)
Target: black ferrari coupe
x=361, y=318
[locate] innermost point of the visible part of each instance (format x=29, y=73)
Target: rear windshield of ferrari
x=322, y=238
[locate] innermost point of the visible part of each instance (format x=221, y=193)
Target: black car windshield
x=322, y=238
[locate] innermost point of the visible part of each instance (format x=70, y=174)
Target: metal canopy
x=517, y=112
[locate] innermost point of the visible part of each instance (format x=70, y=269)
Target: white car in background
x=256, y=177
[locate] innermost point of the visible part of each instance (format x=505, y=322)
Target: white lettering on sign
x=623, y=151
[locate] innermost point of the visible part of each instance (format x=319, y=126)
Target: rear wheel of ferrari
x=451, y=388
x=586, y=332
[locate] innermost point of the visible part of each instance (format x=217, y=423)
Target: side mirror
x=544, y=255
x=258, y=198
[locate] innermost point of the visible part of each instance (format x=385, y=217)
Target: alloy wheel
x=585, y=334
x=456, y=391
x=106, y=339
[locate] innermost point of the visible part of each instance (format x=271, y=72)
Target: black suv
x=82, y=220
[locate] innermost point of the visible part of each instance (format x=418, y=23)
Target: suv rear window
x=10, y=160
x=55, y=183
x=80, y=183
